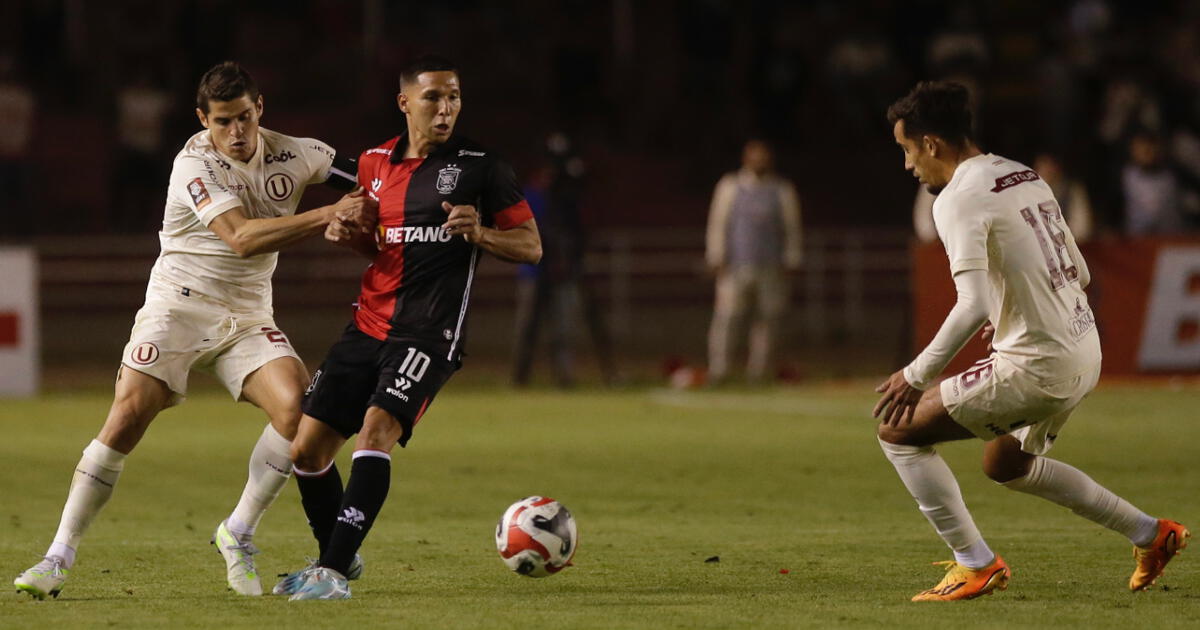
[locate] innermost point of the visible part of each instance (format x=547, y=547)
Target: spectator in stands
x=17, y=104
x=923, y=215
x=863, y=76
x=544, y=296
x=551, y=292
x=1152, y=191
x=142, y=107
x=1071, y=194
x=753, y=239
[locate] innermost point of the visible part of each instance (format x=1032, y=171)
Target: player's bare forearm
x=520, y=244
x=251, y=237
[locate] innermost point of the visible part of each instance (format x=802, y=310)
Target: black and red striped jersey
x=419, y=286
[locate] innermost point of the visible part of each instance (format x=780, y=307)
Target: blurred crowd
x=95, y=98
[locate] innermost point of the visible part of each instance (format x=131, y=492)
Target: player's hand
x=899, y=400
x=462, y=220
x=337, y=232
x=357, y=210
x=989, y=331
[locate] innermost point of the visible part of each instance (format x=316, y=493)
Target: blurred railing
x=651, y=283
x=850, y=277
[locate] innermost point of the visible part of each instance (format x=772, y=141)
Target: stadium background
x=657, y=96
x=765, y=507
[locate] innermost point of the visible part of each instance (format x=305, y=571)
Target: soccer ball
x=536, y=537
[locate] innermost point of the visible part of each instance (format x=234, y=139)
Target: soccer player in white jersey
x=231, y=205
x=1016, y=267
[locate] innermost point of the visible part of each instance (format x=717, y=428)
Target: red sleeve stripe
x=513, y=215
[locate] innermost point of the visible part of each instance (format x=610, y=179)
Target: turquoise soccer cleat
x=322, y=583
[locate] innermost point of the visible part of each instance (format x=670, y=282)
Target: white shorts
x=996, y=398
x=174, y=333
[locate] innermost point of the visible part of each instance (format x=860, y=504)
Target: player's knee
x=309, y=459
x=130, y=414
x=1005, y=469
x=1001, y=472
x=378, y=440
x=380, y=431
x=286, y=419
x=894, y=435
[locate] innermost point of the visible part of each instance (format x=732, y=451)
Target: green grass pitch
x=786, y=486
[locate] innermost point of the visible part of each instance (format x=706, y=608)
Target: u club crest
x=144, y=353
x=447, y=179
x=280, y=186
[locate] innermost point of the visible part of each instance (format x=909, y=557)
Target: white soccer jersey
x=204, y=184
x=999, y=216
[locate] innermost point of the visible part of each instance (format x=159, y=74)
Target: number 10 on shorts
x=414, y=365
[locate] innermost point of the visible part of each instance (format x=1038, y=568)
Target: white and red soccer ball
x=536, y=537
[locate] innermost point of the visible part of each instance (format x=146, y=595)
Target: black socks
x=370, y=477
x=321, y=496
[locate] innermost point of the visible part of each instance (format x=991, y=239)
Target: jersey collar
x=966, y=165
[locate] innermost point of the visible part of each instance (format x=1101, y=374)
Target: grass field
x=770, y=481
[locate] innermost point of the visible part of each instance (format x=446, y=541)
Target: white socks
x=931, y=483
x=1071, y=488
x=100, y=467
x=91, y=486
x=270, y=468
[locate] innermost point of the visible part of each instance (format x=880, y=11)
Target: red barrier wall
x=1145, y=293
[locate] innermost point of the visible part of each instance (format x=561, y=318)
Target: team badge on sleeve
x=447, y=179
x=199, y=193
x=144, y=353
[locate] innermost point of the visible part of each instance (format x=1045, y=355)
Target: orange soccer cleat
x=964, y=583
x=1151, y=560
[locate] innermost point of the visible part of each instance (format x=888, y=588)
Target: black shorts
x=360, y=371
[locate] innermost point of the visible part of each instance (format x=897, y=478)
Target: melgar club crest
x=447, y=179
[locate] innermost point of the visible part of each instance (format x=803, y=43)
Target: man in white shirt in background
x=231, y=205
x=1016, y=267
x=753, y=240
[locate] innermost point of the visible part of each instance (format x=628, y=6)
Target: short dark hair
x=425, y=63
x=940, y=108
x=225, y=81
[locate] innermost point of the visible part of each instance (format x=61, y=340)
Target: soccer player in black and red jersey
x=442, y=199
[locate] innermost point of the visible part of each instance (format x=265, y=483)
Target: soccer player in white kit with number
x=1016, y=267
x=231, y=205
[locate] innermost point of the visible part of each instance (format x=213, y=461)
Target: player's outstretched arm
x=519, y=244
x=902, y=391
x=969, y=313
x=251, y=237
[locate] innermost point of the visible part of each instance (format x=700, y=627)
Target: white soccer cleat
x=322, y=583
x=43, y=579
x=240, y=572
x=292, y=582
